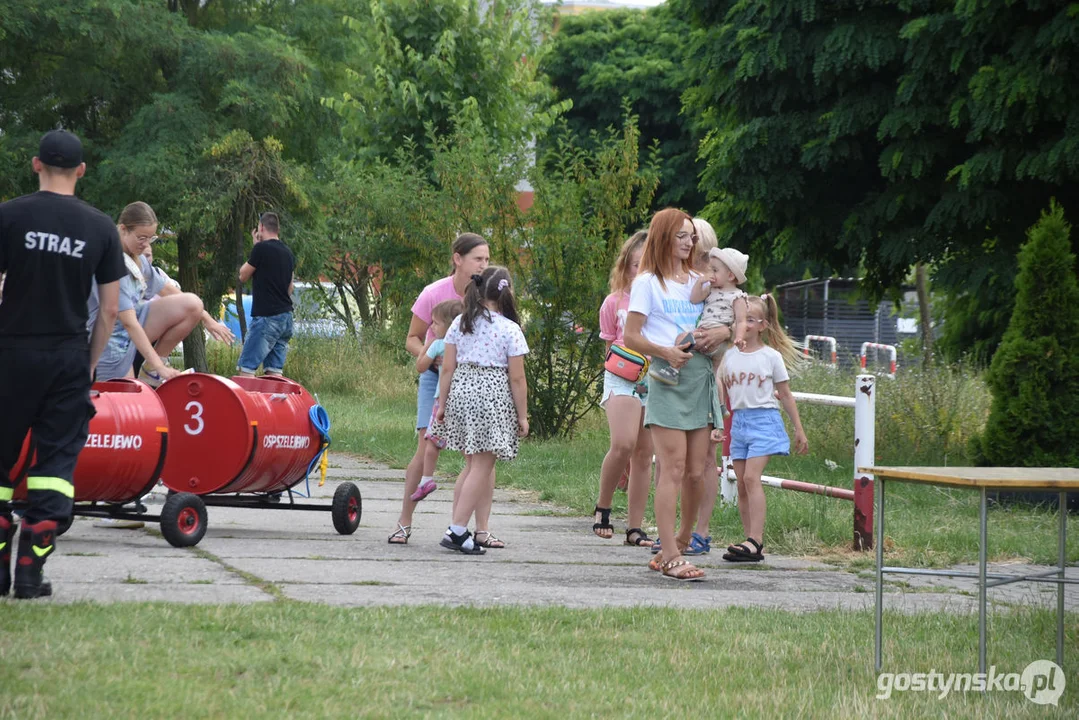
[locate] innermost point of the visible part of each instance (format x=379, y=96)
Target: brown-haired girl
x=483, y=396
x=152, y=329
x=623, y=401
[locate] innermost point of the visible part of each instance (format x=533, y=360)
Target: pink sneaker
x=424, y=490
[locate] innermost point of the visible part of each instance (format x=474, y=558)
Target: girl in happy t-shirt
x=756, y=380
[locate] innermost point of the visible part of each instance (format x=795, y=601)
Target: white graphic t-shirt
x=667, y=313
x=750, y=378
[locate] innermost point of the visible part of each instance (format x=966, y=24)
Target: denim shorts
x=425, y=398
x=614, y=385
x=117, y=357
x=757, y=432
x=266, y=344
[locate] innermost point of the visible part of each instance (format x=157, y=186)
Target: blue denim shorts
x=425, y=398
x=119, y=353
x=757, y=432
x=266, y=344
x=117, y=357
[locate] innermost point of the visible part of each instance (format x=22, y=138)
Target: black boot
x=36, y=542
x=7, y=539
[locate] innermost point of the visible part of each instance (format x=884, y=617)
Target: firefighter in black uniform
x=51, y=245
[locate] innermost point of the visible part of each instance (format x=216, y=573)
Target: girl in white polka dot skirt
x=483, y=395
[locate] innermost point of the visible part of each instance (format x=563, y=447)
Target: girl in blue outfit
x=756, y=381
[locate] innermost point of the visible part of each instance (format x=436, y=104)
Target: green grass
x=299, y=660
x=923, y=417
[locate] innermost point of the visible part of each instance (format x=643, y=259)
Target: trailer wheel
x=183, y=519
x=347, y=508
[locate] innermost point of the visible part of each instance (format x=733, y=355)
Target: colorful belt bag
x=626, y=364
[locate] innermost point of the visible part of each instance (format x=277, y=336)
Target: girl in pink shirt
x=631, y=443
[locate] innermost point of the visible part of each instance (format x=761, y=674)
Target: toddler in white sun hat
x=718, y=290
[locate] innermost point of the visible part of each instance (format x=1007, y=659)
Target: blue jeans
x=266, y=344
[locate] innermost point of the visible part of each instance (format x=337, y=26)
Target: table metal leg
x=1063, y=510
x=982, y=550
x=880, y=565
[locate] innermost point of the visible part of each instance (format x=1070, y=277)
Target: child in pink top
x=631, y=443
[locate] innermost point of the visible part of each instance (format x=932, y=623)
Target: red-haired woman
x=661, y=324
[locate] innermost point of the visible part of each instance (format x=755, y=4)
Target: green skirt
x=691, y=404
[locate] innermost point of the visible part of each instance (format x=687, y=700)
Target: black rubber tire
x=347, y=508
x=183, y=519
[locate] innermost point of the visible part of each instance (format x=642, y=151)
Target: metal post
x=1063, y=510
x=982, y=551
x=880, y=566
x=865, y=410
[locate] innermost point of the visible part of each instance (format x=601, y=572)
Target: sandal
x=656, y=563
x=637, y=537
x=489, y=540
x=683, y=570
x=604, y=522
x=699, y=545
x=743, y=553
x=455, y=542
x=400, y=535
x=657, y=549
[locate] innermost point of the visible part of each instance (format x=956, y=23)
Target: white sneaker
x=118, y=524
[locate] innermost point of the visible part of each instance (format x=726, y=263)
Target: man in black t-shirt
x=270, y=269
x=51, y=246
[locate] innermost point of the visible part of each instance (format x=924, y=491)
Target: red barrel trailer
x=122, y=460
x=241, y=442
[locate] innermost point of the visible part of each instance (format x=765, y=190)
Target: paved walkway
x=264, y=555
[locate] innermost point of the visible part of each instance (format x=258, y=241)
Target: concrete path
x=254, y=555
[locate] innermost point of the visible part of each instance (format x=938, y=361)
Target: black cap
x=61, y=149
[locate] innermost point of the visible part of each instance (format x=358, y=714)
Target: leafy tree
x=205, y=156
x=584, y=201
x=203, y=109
x=1034, y=377
x=887, y=133
x=609, y=62
x=102, y=60
x=391, y=222
x=419, y=61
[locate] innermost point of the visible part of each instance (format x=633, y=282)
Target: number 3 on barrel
x=197, y=423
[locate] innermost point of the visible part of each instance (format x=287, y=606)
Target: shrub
x=586, y=201
x=924, y=416
x=1034, y=376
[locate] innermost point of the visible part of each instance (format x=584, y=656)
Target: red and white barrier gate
x=864, y=403
x=881, y=346
x=831, y=342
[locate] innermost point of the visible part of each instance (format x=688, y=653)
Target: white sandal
x=404, y=532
